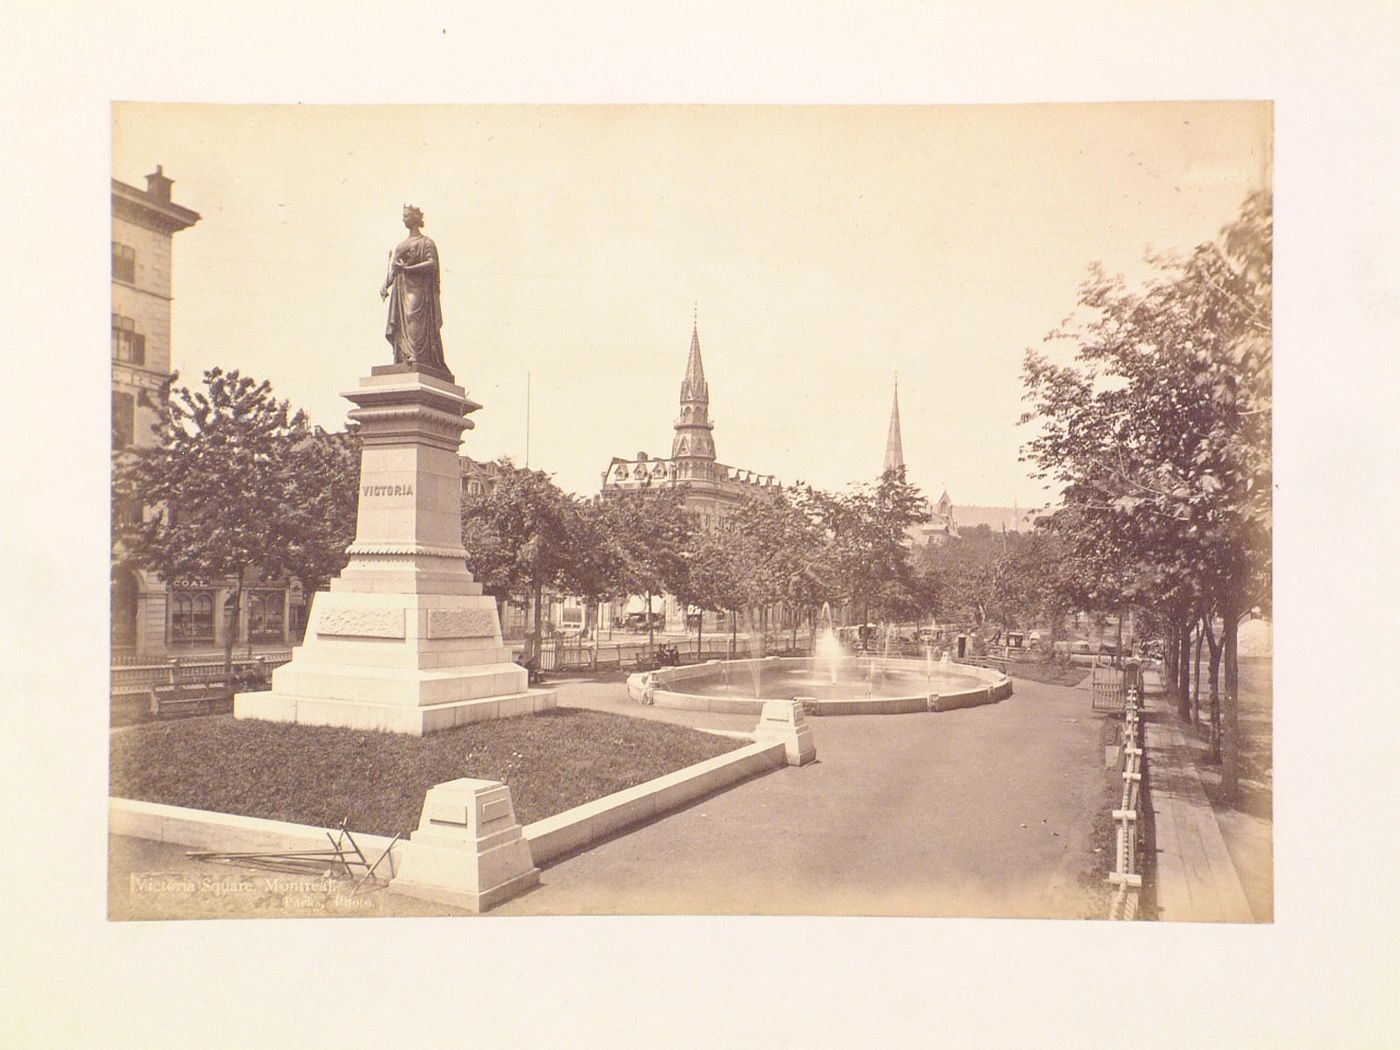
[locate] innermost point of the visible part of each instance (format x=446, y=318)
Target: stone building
x=151, y=617
x=144, y=223
x=712, y=490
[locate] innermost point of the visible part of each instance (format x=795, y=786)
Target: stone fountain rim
x=651, y=687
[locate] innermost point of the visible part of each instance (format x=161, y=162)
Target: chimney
x=158, y=186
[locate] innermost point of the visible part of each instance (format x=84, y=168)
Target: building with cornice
x=151, y=617
x=144, y=223
x=713, y=490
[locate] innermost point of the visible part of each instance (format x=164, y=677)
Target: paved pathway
x=984, y=811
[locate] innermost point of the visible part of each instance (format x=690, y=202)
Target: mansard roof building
x=712, y=489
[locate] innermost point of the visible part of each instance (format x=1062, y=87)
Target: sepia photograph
x=766, y=510
x=699, y=526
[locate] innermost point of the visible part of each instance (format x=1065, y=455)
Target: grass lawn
x=320, y=775
x=1047, y=672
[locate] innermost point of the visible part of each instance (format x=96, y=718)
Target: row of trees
x=801, y=548
x=1159, y=433
x=238, y=486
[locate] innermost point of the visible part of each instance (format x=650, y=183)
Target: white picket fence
x=1130, y=814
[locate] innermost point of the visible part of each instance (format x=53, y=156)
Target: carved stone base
x=404, y=640
x=468, y=850
x=402, y=663
x=783, y=721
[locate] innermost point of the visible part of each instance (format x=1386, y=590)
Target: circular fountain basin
x=849, y=686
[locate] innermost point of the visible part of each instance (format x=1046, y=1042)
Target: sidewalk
x=1186, y=788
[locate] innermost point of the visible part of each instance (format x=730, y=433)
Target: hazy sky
x=827, y=248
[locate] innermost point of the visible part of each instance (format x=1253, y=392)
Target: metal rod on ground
x=376, y=864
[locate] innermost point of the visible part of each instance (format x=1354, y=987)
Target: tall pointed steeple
x=894, y=444
x=693, y=447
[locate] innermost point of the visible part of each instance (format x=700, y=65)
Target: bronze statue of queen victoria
x=413, y=287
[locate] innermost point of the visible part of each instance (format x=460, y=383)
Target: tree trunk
x=1196, y=670
x=231, y=629
x=539, y=623
x=651, y=631
x=1183, y=671
x=1215, y=654
x=1170, y=651
x=700, y=637
x=1230, y=780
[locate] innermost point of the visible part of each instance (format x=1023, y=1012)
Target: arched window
x=203, y=616
x=265, y=615
x=192, y=616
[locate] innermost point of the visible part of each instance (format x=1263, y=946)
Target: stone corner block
x=469, y=850
x=783, y=721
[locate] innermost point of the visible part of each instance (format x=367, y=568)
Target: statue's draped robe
x=415, y=306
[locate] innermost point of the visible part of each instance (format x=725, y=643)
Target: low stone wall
x=580, y=827
x=549, y=839
x=204, y=829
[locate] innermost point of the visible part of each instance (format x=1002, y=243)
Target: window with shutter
x=127, y=343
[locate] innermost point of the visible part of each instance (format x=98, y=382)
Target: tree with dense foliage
x=325, y=475
x=222, y=495
x=518, y=537
x=866, y=548
x=650, y=532
x=774, y=544
x=1005, y=578
x=1159, y=433
x=713, y=579
x=594, y=573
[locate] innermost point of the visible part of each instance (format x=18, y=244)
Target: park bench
x=191, y=698
x=1109, y=691
x=184, y=693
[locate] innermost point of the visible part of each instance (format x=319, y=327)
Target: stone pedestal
x=404, y=640
x=468, y=850
x=783, y=721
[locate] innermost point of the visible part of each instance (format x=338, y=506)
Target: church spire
x=894, y=444
x=694, y=387
x=694, y=446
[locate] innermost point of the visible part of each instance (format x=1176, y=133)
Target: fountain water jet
x=826, y=646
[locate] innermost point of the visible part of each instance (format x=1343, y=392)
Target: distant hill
x=994, y=518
